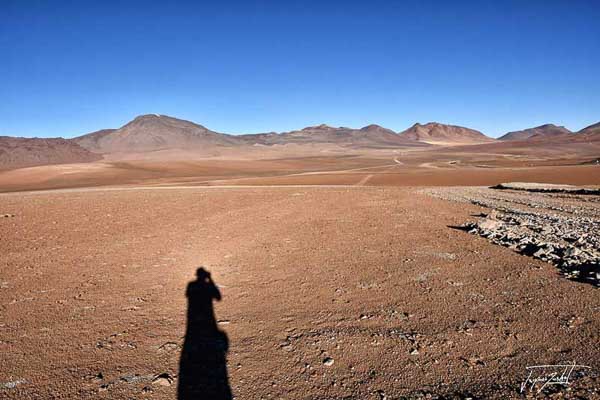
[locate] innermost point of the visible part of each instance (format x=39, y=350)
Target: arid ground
x=338, y=277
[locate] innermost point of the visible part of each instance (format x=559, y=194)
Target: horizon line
x=72, y=136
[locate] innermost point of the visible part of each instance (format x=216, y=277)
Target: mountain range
x=154, y=133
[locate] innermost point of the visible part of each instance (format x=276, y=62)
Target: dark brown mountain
x=153, y=132
x=368, y=136
x=16, y=152
x=436, y=133
x=539, y=132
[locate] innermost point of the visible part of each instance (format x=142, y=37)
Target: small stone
x=164, y=379
x=169, y=347
x=12, y=384
x=97, y=378
x=328, y=362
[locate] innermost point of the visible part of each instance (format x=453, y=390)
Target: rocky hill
x=539, y=132
x=153, y=132
x=16, y=152
x=443, y=134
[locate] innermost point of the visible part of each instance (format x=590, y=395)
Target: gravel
x=557, y=227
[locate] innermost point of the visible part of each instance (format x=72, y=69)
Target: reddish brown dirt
x=169, y=172
x=94, y=282
x=413, y=170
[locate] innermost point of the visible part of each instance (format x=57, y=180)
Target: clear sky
x=72, y=67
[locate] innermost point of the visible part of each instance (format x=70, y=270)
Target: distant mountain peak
x=147, y=117
x=589, y=132
x=592, y=127
x=319, y=127
x=154, y=132
x=371, y=127
x=538, y=132
x=438, y=133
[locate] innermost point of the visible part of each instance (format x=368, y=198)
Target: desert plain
x=328, y=272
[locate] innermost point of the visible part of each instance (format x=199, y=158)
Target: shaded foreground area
x=355, y=292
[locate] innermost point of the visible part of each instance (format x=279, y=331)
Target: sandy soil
x=352, y=292
x=393, y=169
x=338, y=278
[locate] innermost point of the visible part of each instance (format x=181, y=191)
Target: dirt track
x=358, y=292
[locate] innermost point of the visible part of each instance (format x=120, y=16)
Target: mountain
x=154, y=132
x=539, y=132
x=368, y=136
x=436, y=133
x=16, y=152
x=591, y=131
x=590, y=134
x=90, y=140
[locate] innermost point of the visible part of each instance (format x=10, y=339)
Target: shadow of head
x=203, y=364
x=202, y=274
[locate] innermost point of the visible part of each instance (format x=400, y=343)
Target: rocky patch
x=557, y=227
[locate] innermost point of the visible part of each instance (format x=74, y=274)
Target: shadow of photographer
x=203, y=363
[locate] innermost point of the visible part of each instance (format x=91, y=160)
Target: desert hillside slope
x=90, y=140
x=592, y=130
x=436, y=133
x=539, y=132
x=153, y=132
x=588, y=135
x=18, y=152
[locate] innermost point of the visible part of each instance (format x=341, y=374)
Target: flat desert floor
x=350, y=292
x=410, y=169
x=350, y=282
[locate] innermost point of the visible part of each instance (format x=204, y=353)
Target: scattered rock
x=169, y=347
x=96, y=377
x=561, y=229
x=328, y=361
x=12, y=384
x=575, y=322
x=164, y=379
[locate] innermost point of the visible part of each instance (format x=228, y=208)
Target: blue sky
x=72, y=67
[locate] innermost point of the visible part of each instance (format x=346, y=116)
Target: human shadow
x=203, y=364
